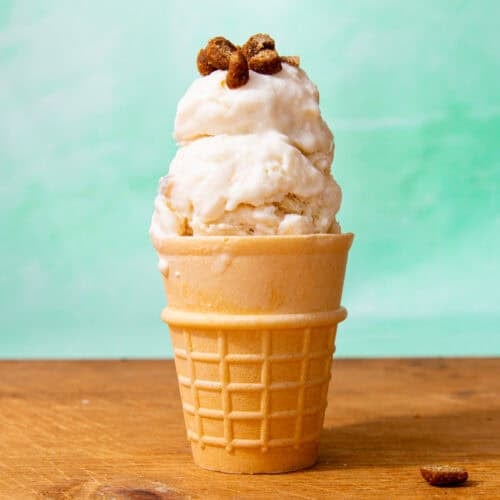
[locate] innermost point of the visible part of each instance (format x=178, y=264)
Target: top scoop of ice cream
x=286, y=102
x=252, y=160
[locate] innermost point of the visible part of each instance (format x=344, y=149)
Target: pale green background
x=87, y=100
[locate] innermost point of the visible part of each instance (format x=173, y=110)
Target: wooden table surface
x=114, y=429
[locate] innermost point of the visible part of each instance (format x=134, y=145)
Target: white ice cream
x=252, y=160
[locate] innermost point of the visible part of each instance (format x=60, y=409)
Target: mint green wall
x=87, y=100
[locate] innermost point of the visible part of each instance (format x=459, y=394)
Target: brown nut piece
x=266, y=61
x=204, y=67
x=256, y=43
x=444, y=475
x=218, y=51
x=292, y=60
x=237, y=74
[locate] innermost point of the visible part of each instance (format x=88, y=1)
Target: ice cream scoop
x=252, y=160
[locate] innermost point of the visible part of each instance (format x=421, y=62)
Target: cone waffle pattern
x=253, y=389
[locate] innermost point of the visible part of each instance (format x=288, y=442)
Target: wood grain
x=114, y=429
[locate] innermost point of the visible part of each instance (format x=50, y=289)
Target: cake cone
x=253, y=323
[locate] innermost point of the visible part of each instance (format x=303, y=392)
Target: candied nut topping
x=257, y=54
x=266, y=61
x=237, y=74
x=292, y=60
x=204, y=67
x=444, y=475
x=256, y=43
x=219, y=51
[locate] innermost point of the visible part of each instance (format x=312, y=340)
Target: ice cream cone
x=253, y=323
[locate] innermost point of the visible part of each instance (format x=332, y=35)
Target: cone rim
x=250, y=245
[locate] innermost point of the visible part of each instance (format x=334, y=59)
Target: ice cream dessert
x=252, y=259
x=252, y=160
